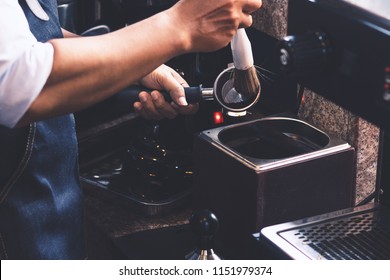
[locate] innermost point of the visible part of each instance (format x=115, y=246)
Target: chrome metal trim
x=260, y=165
x=207, y=93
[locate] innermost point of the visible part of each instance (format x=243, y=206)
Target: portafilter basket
x=227, y=96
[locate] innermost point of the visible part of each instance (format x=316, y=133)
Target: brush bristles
x=246, y=82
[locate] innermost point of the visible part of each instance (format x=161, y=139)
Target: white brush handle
x=242, y=50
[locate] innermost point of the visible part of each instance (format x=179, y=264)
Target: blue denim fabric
x=41, y=206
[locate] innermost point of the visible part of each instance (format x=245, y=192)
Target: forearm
x=87, y=70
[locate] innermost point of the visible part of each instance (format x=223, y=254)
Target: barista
x=44, y=77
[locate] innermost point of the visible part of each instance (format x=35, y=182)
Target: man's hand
x=153, y=105
x=210, y=25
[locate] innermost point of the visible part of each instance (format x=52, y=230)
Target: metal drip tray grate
x=352, y=234
x=108, y=178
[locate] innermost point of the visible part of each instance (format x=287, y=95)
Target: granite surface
x=272, y=18
x=363, y=136
x=116, y=221
x=325, y=115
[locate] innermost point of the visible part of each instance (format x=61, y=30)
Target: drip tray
x=106, y=178
x=360, y=233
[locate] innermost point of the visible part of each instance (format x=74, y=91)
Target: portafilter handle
x=204, y=224
x=193, y=94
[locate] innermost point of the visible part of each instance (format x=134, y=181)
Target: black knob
x=304, y=55
x=204, y=225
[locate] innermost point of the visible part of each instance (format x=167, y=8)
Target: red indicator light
x=387, y=69
x=218, y=117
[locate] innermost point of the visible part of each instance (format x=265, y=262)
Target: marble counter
x=325, y=115
x=272, y=18
x=116, y=221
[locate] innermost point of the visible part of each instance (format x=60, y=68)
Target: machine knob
x=204, y=224
x=304, y=55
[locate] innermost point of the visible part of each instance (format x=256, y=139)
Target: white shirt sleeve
x=25, y=64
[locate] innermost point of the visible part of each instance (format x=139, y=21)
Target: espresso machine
x=345, y=59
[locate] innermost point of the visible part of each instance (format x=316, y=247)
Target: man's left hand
x=153, y=105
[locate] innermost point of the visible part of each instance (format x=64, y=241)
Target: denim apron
x=41, y=207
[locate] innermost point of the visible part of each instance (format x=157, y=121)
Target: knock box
x=269, y=171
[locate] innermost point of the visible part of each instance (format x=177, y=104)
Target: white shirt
x=25, y=64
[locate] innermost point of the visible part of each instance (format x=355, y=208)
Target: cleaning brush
x=246, y=81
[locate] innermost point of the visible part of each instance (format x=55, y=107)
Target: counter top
x=117, y=221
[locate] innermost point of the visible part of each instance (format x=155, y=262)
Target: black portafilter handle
x=204, y=224
x=130, y=94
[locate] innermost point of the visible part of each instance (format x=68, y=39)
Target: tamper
x=204, y=224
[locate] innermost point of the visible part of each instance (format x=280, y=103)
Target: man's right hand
x=210, y=25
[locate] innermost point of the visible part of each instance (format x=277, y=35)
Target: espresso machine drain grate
x=355, y=238
x=359, y=235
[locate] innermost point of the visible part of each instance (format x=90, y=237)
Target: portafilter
x=223, y=92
